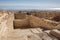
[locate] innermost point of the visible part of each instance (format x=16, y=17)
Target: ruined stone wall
x=44, y=23
x=40, y=20
x=21, y=23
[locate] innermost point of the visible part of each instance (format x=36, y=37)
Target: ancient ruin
x=29, y=25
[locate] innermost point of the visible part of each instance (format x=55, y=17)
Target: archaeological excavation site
x=29, y=25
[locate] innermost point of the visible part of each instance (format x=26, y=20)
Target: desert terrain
x=29, y=25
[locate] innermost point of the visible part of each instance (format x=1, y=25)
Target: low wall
x=45, y=23
x=21, y=23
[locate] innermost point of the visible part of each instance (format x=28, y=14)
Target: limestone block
x=56, y=33
x=36, y=30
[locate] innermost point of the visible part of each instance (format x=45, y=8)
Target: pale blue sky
x=29, y=4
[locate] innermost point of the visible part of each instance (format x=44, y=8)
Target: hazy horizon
x=30, y=4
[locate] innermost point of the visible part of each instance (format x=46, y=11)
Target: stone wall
x=45, y=23
x=21, y=23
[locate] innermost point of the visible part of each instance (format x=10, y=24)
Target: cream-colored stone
x=55, y=33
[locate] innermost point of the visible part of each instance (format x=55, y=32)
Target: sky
x=29, y=4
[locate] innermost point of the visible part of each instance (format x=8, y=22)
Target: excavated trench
x=30, y=21
x=22, y=20
x=31, y=26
